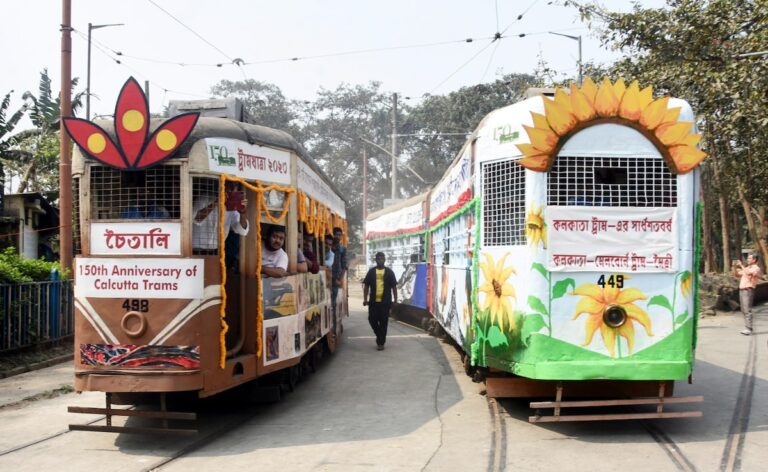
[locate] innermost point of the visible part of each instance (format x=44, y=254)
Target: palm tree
x=7, y=125
x=44, y=111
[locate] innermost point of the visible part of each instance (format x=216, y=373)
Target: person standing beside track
x=379, y=300
x=747, y=284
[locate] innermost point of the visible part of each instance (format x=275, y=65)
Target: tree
x=443, y=124
x=36, y=149
x=7, y=125
x=265, y=103
x=334, y=124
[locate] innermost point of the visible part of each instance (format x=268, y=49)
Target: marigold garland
x=259, y=303
x=317, y=220
x=222, y=265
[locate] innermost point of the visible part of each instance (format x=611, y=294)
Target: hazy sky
x=269, y=33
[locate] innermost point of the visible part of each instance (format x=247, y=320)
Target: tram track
x=45, y=438
x=734, y=445
x=497, y=455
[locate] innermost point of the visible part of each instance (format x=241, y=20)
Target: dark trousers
x=334, y=297
x=378, y=317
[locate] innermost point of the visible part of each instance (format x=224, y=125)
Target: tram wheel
x=309, y=362
x=291, y=378
x=330, y=342
x=469, y=369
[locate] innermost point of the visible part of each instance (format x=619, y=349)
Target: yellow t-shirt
x=379, y=284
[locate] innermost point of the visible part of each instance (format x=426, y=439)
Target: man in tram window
x=205, y=235
x=305, y=247
x=379, y=291
x=274, y=260
x=302, y=265
x=338, y=236
x=338, y=272
x=329, y=255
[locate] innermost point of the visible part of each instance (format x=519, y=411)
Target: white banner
x=314, y=186
x=140, y=238
x=249, y=161
x=600, y=239
x=448, y=191
x=139, y=278
x=403, y=219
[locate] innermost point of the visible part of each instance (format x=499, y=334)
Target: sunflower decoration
x=612, y=311
x=498, y=293
x=686, y=284
x=535, y=229
x=617, y=103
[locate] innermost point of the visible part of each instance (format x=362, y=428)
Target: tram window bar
x=503, y=204
x=150, y=193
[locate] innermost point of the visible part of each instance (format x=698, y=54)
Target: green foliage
x=265, y=103
x=561, y=288
x=661, y=301
x=541, y=269
x=15, y=269
x=531, y=324
x=537, y=305
x=8, y=123
x=495, y=337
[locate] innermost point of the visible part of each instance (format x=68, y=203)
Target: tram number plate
x=136, y=305
x=614, y=281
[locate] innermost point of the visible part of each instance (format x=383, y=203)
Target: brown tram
x=167, y=305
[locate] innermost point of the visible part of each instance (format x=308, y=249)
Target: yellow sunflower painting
x=535, y=229
x=612, y=311
x=568, y=112
x=498, y=293
x=686, y=284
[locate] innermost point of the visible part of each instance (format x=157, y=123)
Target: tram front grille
x=611, y=182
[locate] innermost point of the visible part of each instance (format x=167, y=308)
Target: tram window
x=611, y=182
x=503, y=204
x=204, y=190
x=151, y=193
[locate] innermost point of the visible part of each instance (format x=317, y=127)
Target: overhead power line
x=111, y=53
x=191, y=30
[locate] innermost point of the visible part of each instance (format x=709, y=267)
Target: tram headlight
x=614, y=316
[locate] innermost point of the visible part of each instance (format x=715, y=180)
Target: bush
x=14, y=269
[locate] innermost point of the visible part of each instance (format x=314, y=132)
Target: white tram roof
x=500, y=131
x=408, y=203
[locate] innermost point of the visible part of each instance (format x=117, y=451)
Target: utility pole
x=365, y=201
x=92, y=27
x=65, y=162
x=575, y=38
x=394, y=146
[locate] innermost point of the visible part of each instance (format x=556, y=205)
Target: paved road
x=411, y=408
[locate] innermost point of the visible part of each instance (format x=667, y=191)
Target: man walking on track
x=379, y=291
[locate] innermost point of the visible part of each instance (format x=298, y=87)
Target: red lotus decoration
x=135, y=149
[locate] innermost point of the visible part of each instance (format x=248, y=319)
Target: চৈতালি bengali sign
x=140, y=238
x=600, y=239
x=249, y=161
